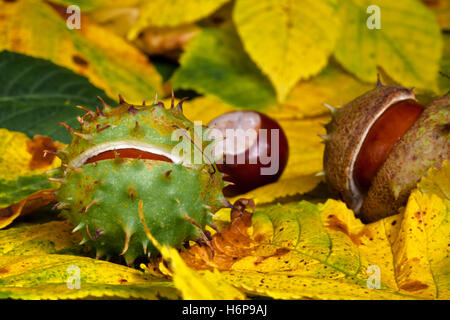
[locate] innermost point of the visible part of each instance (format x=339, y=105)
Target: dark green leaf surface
x=35, y=94
x=215, y=63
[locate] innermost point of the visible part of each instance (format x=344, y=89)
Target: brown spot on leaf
x=77, y=59
x=278, y=253
x=42, y=150
x=334, y=223
x=281, y=251
x=123, y=280
x=4, y=270
x=413, y=285
x=418, y=216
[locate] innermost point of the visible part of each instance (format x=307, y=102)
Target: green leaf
x=407, y=46
x=215, y=63
x=288, y=40
x=36, y=94
x=13, y=191
x=444, y=78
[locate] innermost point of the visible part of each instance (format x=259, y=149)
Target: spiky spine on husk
x=101, y=198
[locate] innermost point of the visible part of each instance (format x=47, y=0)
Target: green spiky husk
x=101, y=199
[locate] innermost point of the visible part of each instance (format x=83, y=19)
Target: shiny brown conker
x=257, y=153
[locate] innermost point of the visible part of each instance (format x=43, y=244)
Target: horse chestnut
x=379, y=146
x=254, y=150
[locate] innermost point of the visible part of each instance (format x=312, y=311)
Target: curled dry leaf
x=168, y=41
x=31, y=203
x=24, y=187
x=209, y=286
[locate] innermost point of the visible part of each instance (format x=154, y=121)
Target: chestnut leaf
x=288, y=40
x=52, y=276
x=407, y=45
x=107, y=60
x=215, y=63
x=163, y=13
x=303, y=250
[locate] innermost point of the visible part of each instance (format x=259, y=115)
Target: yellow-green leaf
x=40, y=239
x=437, y=181
x=112, y=64
x=322, y=251
x=444, y=78
x=55, y=277
x=407, y=46
x=288, y=40
x=172, y=13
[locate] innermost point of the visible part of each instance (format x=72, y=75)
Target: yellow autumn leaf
x=172, y=13
x=437, y=181
x=421, y=248
x=107, y=60
x=16, y=156
x=205, y=109
x=37, y=261
x=55, y=276
x=332, y=86
x=287, y=42
x=322, y=251
x=90, y=5
x=402, y=37
x=22, y=179
x=40, y=239
x=286, y=186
